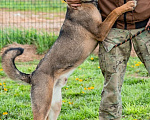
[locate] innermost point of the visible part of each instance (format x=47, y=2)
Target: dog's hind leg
x=41, y=95
x=56, y=104
x=57, y=98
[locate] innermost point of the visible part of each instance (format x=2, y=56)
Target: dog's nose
x=66, y=79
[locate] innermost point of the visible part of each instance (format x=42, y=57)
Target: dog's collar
x=95, y=2
x=88, y=1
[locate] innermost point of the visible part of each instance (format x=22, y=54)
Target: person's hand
x=148, y=23
x=74, y=3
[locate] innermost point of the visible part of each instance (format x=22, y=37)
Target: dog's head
x=86, y=15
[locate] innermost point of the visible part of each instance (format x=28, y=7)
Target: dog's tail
x=9, y=67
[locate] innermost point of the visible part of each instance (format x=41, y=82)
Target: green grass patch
x=42, y=40
x=81, y=95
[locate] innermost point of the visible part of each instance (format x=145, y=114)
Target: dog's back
x=75, y=42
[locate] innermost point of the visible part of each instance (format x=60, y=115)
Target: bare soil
x=28, y=55
x=50, y=22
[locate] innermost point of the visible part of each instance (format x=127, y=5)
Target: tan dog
x=79, y=35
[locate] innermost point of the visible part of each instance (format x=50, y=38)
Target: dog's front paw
x=130, y=5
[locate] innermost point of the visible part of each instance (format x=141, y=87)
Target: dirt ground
x=29, y=54
x=50, y=22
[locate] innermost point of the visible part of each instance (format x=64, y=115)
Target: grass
x=34, y=5
x=81, y=95
x=42, y=40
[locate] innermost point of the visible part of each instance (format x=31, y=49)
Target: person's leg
x=113, y=66
x=141, y=45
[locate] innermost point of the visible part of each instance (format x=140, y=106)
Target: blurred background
x=30, y=21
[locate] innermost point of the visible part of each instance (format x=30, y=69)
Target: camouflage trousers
x=113, y=62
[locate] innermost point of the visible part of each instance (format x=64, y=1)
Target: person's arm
x=73, y=3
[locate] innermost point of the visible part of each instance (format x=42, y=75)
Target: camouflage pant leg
x=141, y=45
x=113, y=66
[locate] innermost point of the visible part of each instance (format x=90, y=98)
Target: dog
x=79, y=36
